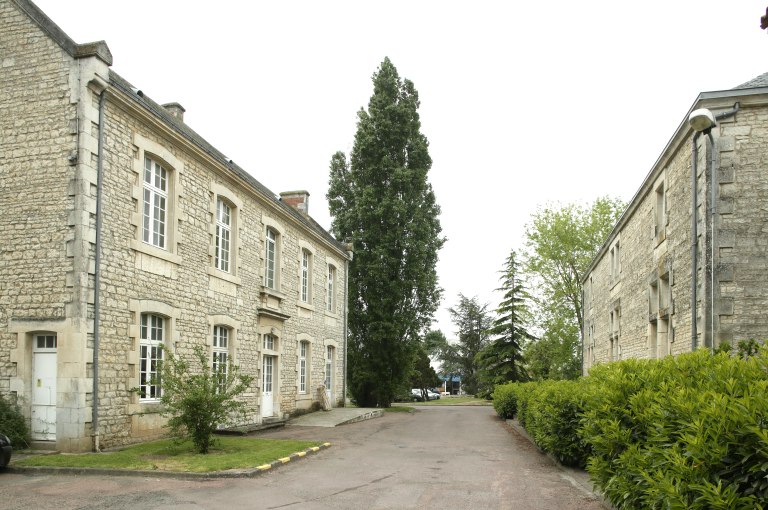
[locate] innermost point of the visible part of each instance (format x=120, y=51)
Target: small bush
x=13, y=424
x=505, y=400
x=198, y=400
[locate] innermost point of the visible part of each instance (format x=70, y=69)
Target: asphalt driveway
x=437, y=457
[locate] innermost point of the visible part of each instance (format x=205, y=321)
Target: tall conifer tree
x=382, y=202
x=502, y=360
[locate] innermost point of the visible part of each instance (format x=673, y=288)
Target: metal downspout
x=346, y=314
x=97, y=277
x=694, y=242
x=712, y=212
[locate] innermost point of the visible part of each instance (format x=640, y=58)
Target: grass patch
x=398, y=409
x=165, y=455
x=456, y=401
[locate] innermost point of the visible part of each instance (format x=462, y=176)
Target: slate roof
x=759, y=81
x=101, y=50
x=159, y=111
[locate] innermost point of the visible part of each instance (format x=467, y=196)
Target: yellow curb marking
x=315, y=448
x=301, y=454
x=285, y=459
x=264, y=467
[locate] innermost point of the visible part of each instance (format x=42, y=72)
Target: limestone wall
x=186, y=281
x=49, y=139
x=653, y=289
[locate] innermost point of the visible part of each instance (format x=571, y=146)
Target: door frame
x=271, y=396
x=37, y=353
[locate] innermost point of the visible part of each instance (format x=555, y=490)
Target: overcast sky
x=524, y=104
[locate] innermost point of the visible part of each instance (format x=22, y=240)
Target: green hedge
x=505, y=400
x=684, y=432
x=551, y=412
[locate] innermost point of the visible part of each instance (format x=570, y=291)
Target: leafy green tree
x=502, y=360
x=382, y=201
x=473, y=322
x=423, y=375
x=198, y=399
x=438, y=347
x=435, y=342
x=554, y=355
x=561, y=242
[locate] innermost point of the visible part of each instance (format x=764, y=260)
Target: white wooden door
x=267, y=383
x=44, y=388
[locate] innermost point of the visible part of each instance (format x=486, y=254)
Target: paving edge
x=230, y=473
x=520, y=430
x=375, y=413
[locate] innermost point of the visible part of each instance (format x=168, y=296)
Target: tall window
x=615, y=262
x=329, y=351
x=223, y=235
x=589, y=346
x=270, y=259
x=660, y=213
x=152, y=336
x=155, y=203
x=331, y=288
x=303, y=353
x=306, y=276
x=220, y=359
x=615, y=349
x=269, y=342
x=660, y=336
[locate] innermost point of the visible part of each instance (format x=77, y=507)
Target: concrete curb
x=231, y=473
x=377, y=413
x=575, y=476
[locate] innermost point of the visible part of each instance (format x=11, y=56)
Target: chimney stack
x=176, y=110
x=299, y=200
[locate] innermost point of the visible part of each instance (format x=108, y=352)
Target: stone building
x=678, y=274
x=122, y=229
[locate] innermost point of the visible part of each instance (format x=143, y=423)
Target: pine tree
x=382, y=202
x=502, y=360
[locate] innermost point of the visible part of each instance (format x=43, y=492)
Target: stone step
x=241, y=430
x=42, y=445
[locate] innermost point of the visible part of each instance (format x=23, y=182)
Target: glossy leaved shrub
x=505, y=400
x=683, y=432
x=551, y=412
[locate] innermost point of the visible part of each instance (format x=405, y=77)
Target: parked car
x=5, y=450
x=417, y=396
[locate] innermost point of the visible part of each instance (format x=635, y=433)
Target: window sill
x=145, y=407
x=333, y=315
x=222, y=275
x=272, y=292
x=155, y=252
x=306, y=306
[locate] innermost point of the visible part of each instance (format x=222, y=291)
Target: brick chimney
x=299, y=200
x=176, y=110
